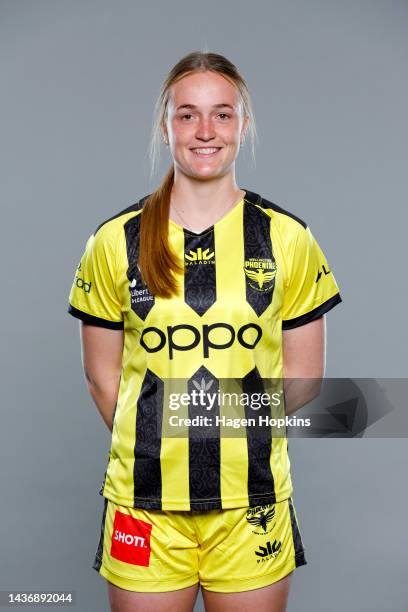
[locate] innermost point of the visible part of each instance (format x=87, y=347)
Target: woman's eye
x=223, y=116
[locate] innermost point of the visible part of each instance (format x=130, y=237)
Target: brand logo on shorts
x=269, y=551
x=131, y=539
x=259, y=517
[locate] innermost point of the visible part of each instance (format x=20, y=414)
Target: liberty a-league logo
x=260, y=518
x=139, y=294
x=261, y=273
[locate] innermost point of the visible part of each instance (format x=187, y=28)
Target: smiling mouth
x=205, y=151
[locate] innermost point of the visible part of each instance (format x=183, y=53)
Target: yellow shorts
x=231, y=550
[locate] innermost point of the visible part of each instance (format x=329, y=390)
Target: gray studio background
x=79, y=80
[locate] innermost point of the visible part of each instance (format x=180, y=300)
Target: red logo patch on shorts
x=131, y=539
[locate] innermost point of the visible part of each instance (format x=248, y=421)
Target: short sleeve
x=311, y=289
x=93, y=296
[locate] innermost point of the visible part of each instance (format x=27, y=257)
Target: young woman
x=199, y=282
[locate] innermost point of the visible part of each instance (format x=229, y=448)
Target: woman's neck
x=199, y=204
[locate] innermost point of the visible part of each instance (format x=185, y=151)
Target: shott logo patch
x=131, y=539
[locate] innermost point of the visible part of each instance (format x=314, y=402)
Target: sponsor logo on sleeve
x=320, y=273
x=83, y=284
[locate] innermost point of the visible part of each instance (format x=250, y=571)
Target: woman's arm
x=102, y=350
x=304, y=362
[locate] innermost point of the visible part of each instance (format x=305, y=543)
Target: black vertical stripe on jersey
x=257, y=244
x=147, y=476
x=204, y=446
x=259, y=442
x=199, y=281
x=133, y=207
x=252, y=197
x=132, y=233
x=297, y=540
x=255, y=198
x=99, y=553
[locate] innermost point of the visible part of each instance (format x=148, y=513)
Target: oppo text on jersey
x=154, y=339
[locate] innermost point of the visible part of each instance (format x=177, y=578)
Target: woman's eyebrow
x=192, y=106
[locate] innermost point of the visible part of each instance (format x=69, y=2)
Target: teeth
x=204, y=151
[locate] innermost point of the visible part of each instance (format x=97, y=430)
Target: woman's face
x=204, y=126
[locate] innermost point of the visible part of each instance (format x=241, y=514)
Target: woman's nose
x=205, y=130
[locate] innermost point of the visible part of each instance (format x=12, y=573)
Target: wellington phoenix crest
x=260, y=273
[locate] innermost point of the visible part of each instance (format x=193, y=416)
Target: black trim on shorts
x=92, y=320
x=99, y=553
x=316, y=313
x=204, y=505
x=297, y=540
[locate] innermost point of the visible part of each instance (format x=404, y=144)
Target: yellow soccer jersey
x=255, y=272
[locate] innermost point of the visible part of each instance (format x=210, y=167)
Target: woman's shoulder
x=283, y=219
x=115, y=223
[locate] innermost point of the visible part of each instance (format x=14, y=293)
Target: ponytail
x=157, y=263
